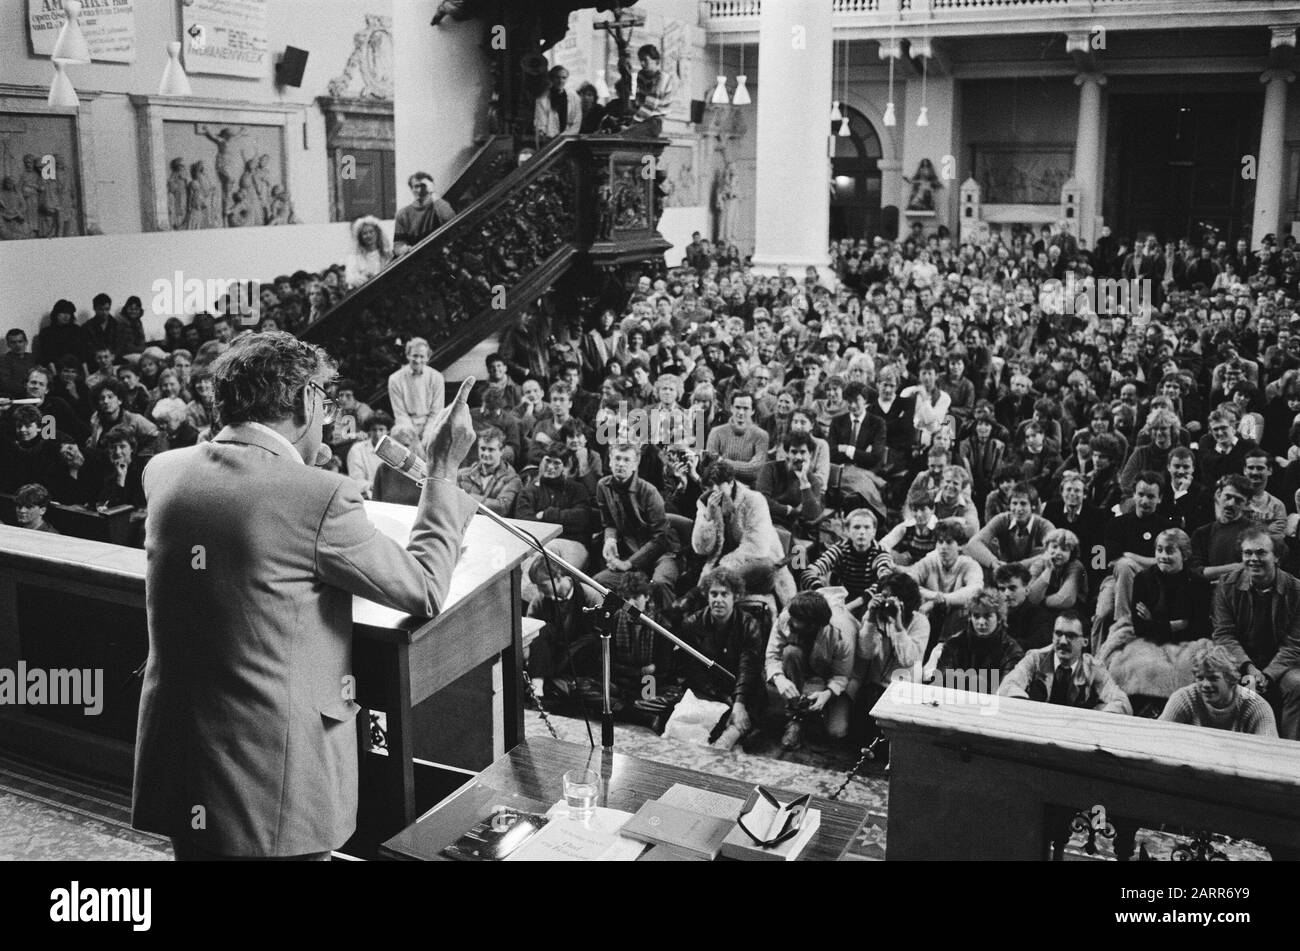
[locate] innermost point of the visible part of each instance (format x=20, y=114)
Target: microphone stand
x=603, y=617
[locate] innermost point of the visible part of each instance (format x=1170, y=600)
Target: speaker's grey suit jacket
x=247, y=743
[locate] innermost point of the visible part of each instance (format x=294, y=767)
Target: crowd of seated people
x=913, y=468
x=923, y=465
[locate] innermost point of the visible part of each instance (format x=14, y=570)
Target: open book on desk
x=587, y=840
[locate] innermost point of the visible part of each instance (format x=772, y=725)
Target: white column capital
x=1282, y=36
x=921, y=47
x=1078, y=41
x=891, y=47
x=1098, y=78
x=1275, y=75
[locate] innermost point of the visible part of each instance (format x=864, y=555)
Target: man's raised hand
x=453, y=434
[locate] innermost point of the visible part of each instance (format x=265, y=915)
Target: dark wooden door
x=365, y=183
x=1179, y=163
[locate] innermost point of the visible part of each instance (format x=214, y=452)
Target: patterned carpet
x=47, y=816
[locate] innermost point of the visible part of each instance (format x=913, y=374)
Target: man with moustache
x=1063, y=674
x=1216, y=547
x=247, y=705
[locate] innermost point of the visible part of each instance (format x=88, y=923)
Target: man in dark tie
x=857, y=441
x=856, y=438
x=1062, y=674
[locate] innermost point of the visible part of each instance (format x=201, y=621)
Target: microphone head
x=323, y=456
x=391, y=452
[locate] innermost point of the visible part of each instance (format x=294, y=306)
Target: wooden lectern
x=450, y=687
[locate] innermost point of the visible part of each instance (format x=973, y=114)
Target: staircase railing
x=588, y=197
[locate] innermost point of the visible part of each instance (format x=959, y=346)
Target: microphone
x=323, y=455
x=396, y=456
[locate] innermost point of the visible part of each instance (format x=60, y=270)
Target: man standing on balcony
x=421, y=218
x=558, y=111
x=417, y=391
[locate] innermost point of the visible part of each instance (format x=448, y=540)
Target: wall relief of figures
x=1022, y=175
x=225, y=175
x=39, y=194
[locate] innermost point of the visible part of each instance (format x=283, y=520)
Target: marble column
x=1271, y=160
x=1087, y=154
x=792, y=213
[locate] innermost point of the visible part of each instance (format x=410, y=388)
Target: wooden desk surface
x=1168, y=756
x=532, y=773
x=488, y=552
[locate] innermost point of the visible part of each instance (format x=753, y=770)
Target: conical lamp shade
x=61, y=92
x=924, y=118
x=889, y=115
x=71, y=46
x=741, y=98
x=174, y=81
x=720, y=97
x=844, y=128
x=836, y=115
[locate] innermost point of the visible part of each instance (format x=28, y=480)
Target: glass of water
x=581, y=790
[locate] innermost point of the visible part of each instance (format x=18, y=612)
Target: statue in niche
x=923, y=183
x=13, y=210
x=262, y=182
x=250, y=194
x=726, y=203
x=227, y=163
x=64, y=187
x=372, y=59
x=281, y=209
x=205, y=200
x=33, y=187
x=178, y=195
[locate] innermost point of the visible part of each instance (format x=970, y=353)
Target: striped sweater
x=842, y=564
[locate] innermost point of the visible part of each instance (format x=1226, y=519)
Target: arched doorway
x=855, y=178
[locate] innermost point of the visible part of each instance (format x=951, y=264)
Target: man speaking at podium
x=247, y=744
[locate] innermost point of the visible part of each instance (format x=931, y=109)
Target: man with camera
x=808, y=665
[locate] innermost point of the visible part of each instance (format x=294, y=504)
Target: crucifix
x=620, y=28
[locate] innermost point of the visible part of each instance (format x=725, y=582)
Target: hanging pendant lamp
x=741, y=96
x=71, y=46
x=62, y=95
x=890, y=118
x=174, y=81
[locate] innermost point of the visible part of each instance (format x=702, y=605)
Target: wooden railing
x=956, y=17
x=974, y=776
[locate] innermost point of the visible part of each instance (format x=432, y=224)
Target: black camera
x=886, y=609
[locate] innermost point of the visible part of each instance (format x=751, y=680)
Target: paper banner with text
x=227, y=37
x=108, y=25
